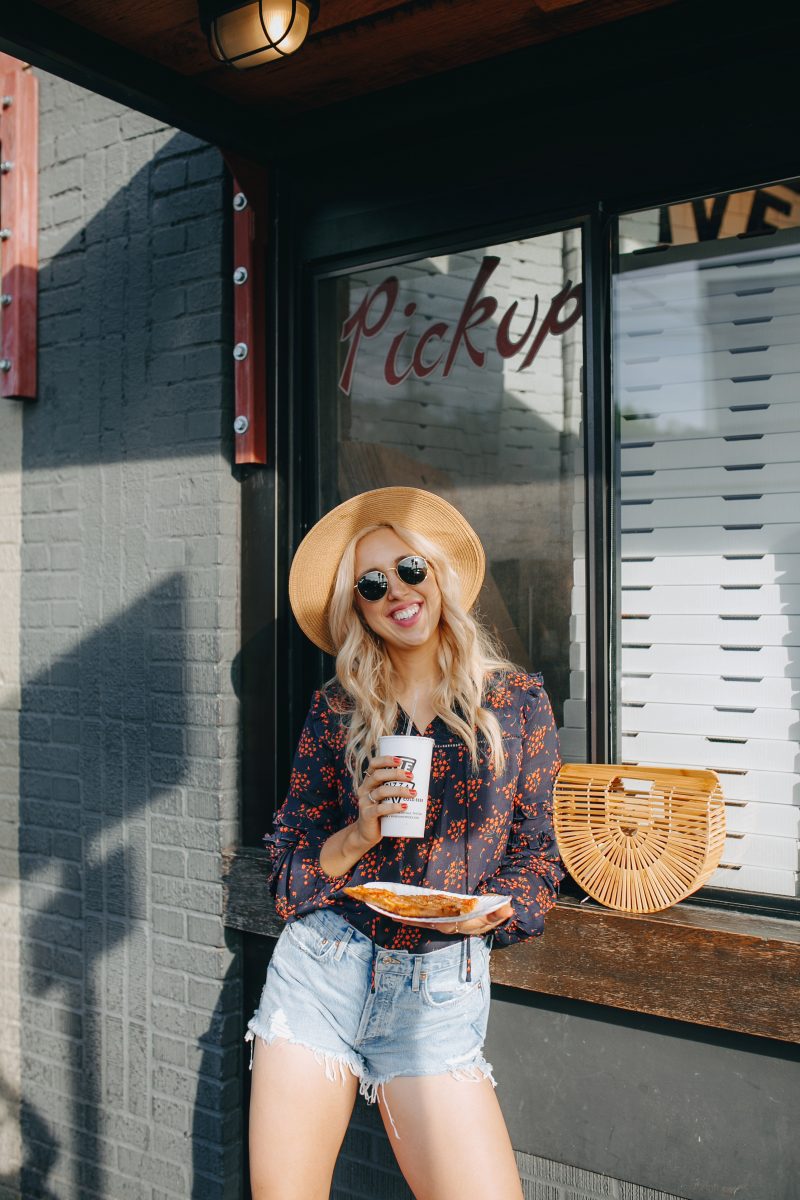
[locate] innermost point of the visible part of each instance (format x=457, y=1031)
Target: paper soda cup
x=415, y=756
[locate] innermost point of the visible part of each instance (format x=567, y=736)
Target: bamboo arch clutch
x=638, y=838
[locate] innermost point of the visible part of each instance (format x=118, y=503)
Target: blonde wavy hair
x=468, y=655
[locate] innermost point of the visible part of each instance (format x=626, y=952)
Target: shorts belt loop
x=466, y=957
x=417, y=972
x=342, y=944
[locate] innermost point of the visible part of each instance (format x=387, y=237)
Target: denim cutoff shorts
x=420, y=1016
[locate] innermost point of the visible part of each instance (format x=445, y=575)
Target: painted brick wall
x=10, y=523
x=130, y=1025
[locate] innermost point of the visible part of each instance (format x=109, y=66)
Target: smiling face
x=407, y=616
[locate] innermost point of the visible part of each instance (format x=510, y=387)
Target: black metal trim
x=733, y=899
x=763, y=904
x=490, y=233
x=600, y=548
x=461, y=234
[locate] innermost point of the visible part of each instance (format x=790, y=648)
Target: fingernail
x=404, y=806
x=409, y=774
x=397, y=760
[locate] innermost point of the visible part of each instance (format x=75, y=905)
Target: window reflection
x=461, y=373
x=707, y=375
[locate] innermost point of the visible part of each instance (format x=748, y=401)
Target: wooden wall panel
x=249, y=318
x=19, y=217
x=356, y=46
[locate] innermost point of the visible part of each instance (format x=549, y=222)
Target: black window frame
x=304, y=253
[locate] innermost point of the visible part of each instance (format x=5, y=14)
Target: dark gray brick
x=169, y=175
x=203, y=165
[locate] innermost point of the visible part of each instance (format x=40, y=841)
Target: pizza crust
x=416, y=904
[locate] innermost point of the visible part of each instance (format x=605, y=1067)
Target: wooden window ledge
x=716, y=968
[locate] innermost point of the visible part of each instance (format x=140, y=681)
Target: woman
x=386, y=582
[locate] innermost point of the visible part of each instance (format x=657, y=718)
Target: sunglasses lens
x=412, y=569
x=373, y=585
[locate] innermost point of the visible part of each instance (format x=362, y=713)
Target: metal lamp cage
x=211, y=10
x=639, y=839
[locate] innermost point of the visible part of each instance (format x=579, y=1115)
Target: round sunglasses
x=373, y=585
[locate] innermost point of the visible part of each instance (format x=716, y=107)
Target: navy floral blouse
x=488, y=832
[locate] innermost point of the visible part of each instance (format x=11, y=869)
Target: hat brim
x=313, y=573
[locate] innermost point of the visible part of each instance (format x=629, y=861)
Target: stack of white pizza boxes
x=707, y=384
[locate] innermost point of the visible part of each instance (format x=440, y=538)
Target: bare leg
x=298, y=1119
x=453, y=1139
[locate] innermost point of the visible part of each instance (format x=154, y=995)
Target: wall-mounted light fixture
x=244, y=33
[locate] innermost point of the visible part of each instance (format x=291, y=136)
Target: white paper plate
x=486, y=904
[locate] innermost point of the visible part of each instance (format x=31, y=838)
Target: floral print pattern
x=485, y=832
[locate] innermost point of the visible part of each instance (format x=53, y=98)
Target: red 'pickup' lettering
x=378, y=306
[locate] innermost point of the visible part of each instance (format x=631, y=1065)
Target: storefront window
x=706, y=376
x=461, y=373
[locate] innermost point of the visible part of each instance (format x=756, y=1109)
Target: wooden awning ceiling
x=355, y=47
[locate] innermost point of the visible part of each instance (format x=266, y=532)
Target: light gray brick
x=146, y=1168
x=171, y=1115
x=168, y=1050
x=170, y=984
x=534, y=1189
x=203, y=866
x=170, y=861
x=205, y=931
x=633, y=1191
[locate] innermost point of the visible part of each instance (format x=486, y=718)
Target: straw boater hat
x=316, y=562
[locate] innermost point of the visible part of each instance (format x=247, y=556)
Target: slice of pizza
x=414, y=904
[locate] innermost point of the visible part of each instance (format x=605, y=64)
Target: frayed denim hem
x=336, y=1066
x=465, y=1072
x=472, y=1068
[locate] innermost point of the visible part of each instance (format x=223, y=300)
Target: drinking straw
x=410, y=722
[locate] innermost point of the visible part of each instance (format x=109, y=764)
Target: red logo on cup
x=406, y=764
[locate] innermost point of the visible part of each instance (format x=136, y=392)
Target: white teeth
x=405, y=613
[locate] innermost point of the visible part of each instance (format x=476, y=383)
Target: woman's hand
x=343, y=849
x=473, y=926
x=376, y=800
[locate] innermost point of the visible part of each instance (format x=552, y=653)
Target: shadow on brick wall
x=104, y=1060
x=134, y=322
x=123, y=956
x=118, y=1056
x=217, y=1129
x=41, y=1148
